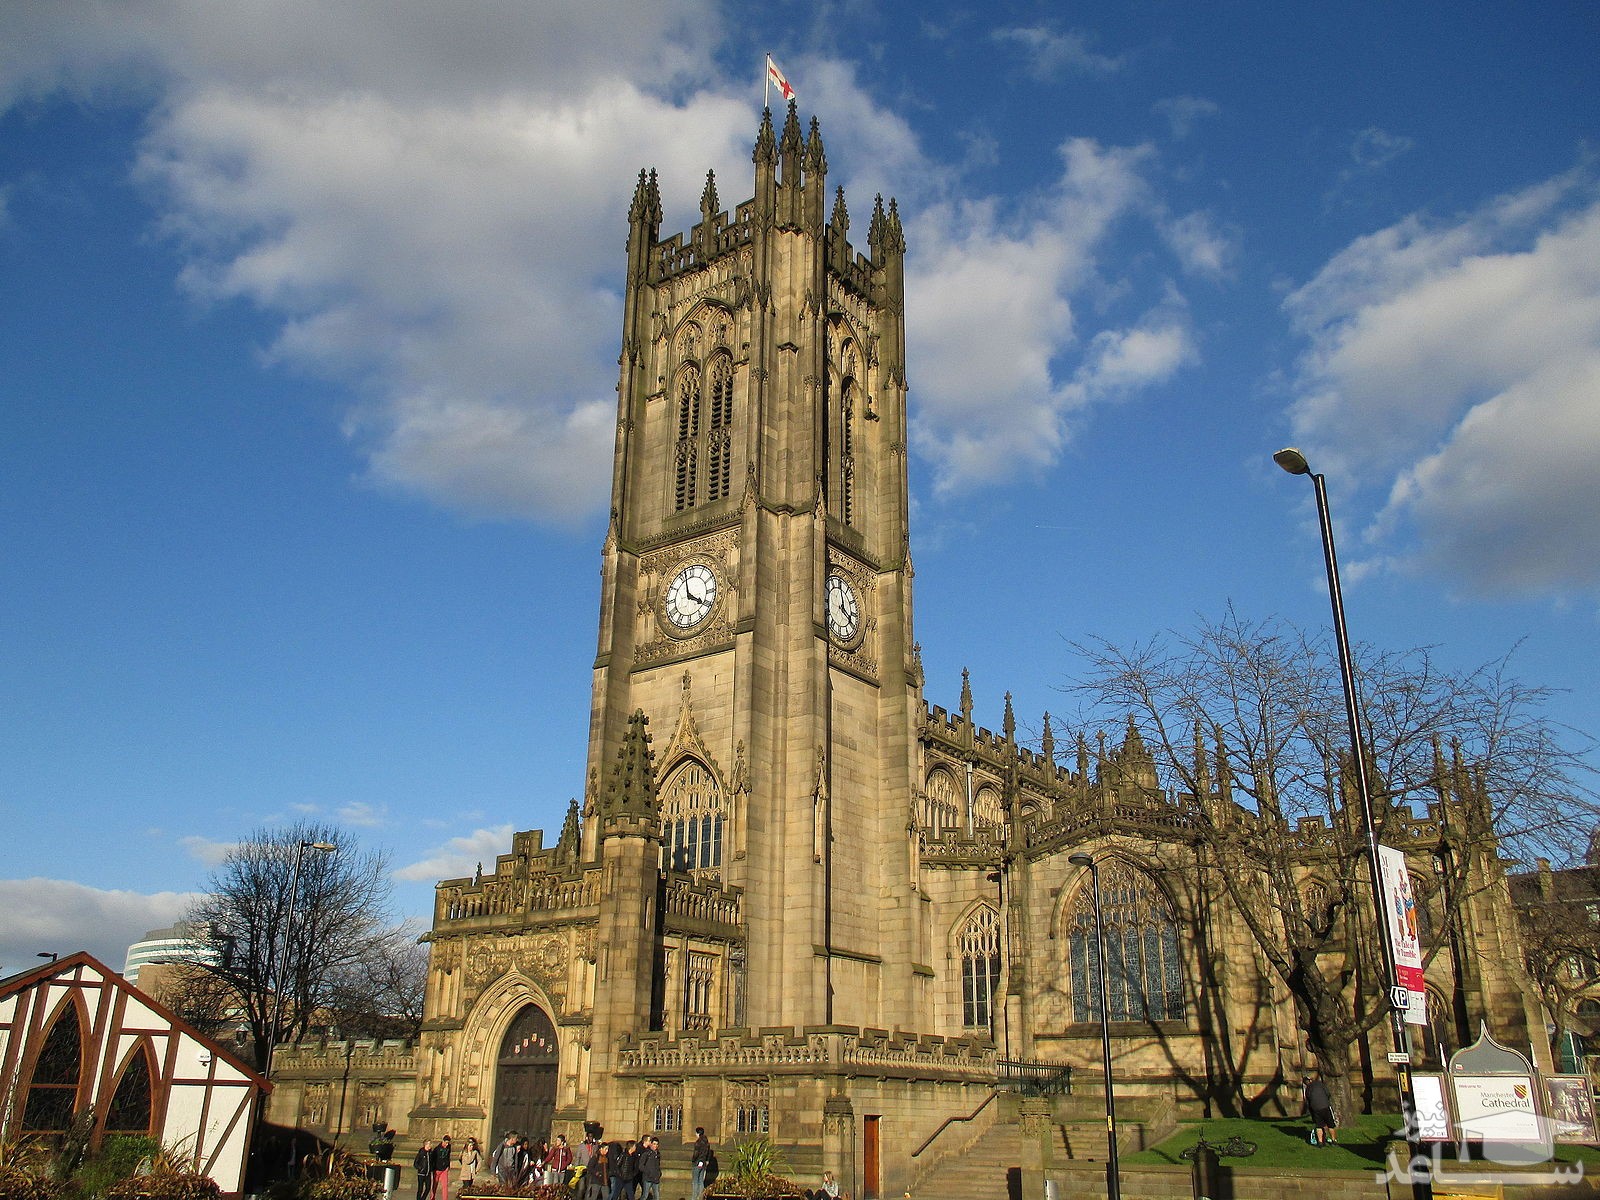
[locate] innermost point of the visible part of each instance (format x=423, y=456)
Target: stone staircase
x=985, y=1161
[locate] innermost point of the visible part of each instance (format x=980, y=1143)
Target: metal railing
x=1033, y=1078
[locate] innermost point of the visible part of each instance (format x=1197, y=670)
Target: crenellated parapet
x=573, y=891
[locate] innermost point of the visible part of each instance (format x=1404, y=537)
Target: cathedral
x=797, y=900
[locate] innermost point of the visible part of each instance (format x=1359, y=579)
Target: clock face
x=844, y=611
x=691, y=595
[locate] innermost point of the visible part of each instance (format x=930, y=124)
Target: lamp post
x=1113, y=1172
x=1294, y=462
x=283, y=950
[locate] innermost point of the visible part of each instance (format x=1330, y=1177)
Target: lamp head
x=1292, y=461
x=325, y=847
x=1080, y=860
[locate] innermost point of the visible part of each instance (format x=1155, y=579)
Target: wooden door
x=870, y=1186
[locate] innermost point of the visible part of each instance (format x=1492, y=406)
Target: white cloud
x=460, y=856
x=1183, y=112
x=991, y=318
x=206, y=851
x=1051, y=53
x=1374, y=148
x=1455, y=366
x=429, y=204
x=61, y=917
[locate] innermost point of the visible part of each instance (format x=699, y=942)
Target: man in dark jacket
x=424, y=1165
x=649, y=1169
x=699, y=1156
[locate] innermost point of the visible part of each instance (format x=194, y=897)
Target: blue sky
x=309, y=336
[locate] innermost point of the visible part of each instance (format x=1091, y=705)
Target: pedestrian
x=471, y=1160
x=699, y=1156
x=558, y=1161
x=617, y=1154
x=599, y=1173
x=1319, y=1104
x=441, y=1169
x=424, y=1165
x=504, y=1162
x=649, y=1168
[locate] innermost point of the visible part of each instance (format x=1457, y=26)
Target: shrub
x=119, y=1158
x=165, y=1185
x=18, y=1183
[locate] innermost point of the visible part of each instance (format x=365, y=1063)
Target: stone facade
x=796, y=899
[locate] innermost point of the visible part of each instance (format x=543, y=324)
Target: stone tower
x=756, y=585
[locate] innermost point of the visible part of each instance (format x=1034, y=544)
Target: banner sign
x=1400, y=911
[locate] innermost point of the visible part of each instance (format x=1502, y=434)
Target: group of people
x=596, y=1169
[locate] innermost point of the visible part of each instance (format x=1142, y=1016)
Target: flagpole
x=766, y=91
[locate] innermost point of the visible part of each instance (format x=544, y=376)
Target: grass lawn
x=1282, y=1143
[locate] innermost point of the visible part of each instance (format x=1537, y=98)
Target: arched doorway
x=525, y=1077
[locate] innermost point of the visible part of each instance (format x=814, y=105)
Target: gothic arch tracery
x=1144, y=970
x=702, y=397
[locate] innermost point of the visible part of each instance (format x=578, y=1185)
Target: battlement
x=494, y=895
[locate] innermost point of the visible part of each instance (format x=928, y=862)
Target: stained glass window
x=980, y=967
x=1144, y=979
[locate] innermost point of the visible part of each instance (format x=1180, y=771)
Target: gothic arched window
x=53, y=1090
x=702, y=397
x=986, y=809
x=130, y=1107
x=939, y=808
x=1144, y=975
x=980, y=967
x=692, y=820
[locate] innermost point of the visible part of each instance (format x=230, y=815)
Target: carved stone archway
x=525, y=1076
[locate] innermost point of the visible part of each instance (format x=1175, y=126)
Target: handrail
x=949, y=1121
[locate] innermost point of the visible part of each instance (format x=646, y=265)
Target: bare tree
x=1245, y=720
x=381, y=996
x=339, y=911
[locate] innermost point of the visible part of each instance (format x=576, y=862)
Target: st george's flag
x=775, y=79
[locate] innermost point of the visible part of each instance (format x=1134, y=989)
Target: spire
x=1008, y=723
x=766, y=141
x=631, y=790
x=1083, y=756
x=790, y=145
x=966, y=696
x=877, y=228
x=646, y=207
x=816, y=162
x=895, y=238
x=841, y=215
x=1047, y=744
x=708, y=199
x=567, y=847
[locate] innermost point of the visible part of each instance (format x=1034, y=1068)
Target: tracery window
x=1144, y=976
x=53, y=1092
x=692, y=821
x=699, y=982
x=940, y=810
x=986, y=809
x=703, y=405
x=752, y=1108
x=980, y=967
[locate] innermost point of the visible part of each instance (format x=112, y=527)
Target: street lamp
x=283, y=951
x=1113, y=1173
x=1294, y=462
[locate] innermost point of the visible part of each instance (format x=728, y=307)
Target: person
x=558, y=1161
x=1320, y=1105
x=599, y=1173
x=617, y=1164
x=424, y=1165
x=441, y=1169
x=471, y=1160
x=649, y=1169
x=504, y=1162
x=525, y=1161
x=828, y=1189
x=699, y=1156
